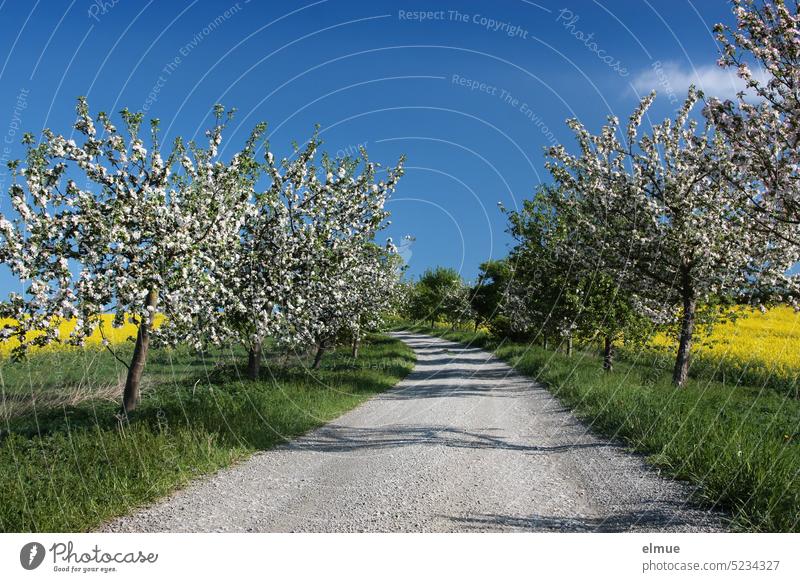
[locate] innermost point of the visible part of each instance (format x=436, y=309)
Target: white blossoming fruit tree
x=347, y=282
x=763, y=125
x=660, y=213
x=108, y=225
x=303, y=268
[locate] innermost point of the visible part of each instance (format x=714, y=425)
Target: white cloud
x=671, y=81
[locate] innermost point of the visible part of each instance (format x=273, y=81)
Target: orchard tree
x=542, y=299
x=458, y=307
x=659, y=214
x=607, y=312
x=337, y=253
x=572, y=296
x=765, y=131
x=137, y=239
x=259, y=299
x=373, y=290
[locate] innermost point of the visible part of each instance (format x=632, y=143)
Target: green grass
x=739, y=444
x=69, y=467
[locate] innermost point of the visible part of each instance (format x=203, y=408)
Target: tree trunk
x=608, y=353
x=477, y=323
x=130, y=397
x=254, y=361
x=681, y=371
x=544, y=341
x=356, y=343
x=318, y=357
x=569, y=345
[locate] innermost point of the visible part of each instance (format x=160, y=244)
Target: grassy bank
x=740, y=444
x=69, y=465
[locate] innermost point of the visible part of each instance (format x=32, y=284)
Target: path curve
x=464, y=443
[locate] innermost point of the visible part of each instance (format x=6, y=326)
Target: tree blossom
x=765, y=133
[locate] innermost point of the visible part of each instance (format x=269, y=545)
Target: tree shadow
x=668, y=516
x=335, y=438
x=495, y=380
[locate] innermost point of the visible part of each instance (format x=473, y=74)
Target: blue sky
x=471, y=93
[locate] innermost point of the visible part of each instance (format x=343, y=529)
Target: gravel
x=462, y=444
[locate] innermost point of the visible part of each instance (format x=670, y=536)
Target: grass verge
x=73, y=466
x=740, y=445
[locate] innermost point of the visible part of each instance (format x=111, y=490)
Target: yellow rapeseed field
x=765, y=342
x=115, y=335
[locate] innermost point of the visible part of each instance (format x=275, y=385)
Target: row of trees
x=659, y=224
x=228, y=251
x=688, y=214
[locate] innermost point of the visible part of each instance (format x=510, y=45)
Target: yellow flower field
x=115, y=335
x=763, y=344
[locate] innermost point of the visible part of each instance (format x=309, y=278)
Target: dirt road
x=462, y=444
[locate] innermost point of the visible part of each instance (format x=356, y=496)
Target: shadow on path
x=618, y=522
x=337, y=438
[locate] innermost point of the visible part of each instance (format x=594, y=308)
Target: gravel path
x=462, y=444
